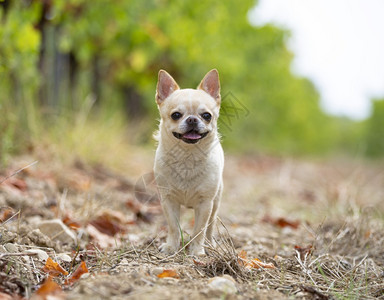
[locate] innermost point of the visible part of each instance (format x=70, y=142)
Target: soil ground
x=317, y=227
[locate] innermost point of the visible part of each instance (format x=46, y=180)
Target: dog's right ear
x=166, y=85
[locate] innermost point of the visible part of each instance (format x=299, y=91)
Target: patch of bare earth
x=287, y=229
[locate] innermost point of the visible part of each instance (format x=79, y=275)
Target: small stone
x=134, y=238
x=42, y=255
x=57, y=230
x=34, y=220
x=37, y=238
x=64, y=257
x=24, y=241
x=2, y=249
x=222, y=285
x=7, y=236
x=85, y=275
x=11, y=248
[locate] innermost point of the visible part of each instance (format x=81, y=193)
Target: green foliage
x=19, y=44
x=188, y=39
x=111, y=51
x=375, y=130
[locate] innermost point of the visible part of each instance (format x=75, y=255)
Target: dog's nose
x=191, y=120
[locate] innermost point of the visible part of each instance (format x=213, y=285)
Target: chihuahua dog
x=189, y=159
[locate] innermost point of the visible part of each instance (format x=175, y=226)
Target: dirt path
x=315, y=228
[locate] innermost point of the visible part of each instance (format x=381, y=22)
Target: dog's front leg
x=212, y=217
x=202, y=213
x=172, y=215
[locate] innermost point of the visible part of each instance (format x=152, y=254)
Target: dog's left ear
x=211, y=85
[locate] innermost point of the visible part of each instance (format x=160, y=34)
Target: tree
x=375, y=129
x=113, y=49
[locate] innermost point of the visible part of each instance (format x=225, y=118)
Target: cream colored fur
x=189, y=171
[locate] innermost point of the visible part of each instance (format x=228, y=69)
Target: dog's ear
x=166, y=85
x=211, y=85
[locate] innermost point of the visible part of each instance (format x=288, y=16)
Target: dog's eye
x=206, y=116
x=176, y=115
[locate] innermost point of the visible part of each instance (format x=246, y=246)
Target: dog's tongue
x=192, y=135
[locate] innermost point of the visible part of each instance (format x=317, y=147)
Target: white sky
x=338, y=45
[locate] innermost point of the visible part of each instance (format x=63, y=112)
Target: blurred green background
x=79, y=73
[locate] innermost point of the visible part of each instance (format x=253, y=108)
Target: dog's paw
x=197, y=251
x=212, y=243
x=167, y=248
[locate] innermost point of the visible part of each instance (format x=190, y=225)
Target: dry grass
x=339, y=213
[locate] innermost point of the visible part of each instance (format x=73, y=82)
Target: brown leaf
x=253, y=263
x=53, y=268
x=14, y=185
x=48, y=288
x=110, y=223
x=243, y=255
x=168, y=273
x=17, y=183
x=143, y=212
x=199, y=263
x=81, y=269
x=257, y=263
x=100, y=239
x=304, y=251
x=242, y=258
x=6, y=213
x=67, y=220
x=281, y=222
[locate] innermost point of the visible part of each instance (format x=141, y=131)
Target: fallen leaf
x=168, y=273
x=48, y=288
x=81, y=269
x=199, y=263
x=143, y=212
x=67, y=220
x=304, y=251
x=6, y=213
x=13, y=185
x=110, y=223
x=281, y=222
x=53, y=268
x=253, y=263
x=243, y=255
x=100, y=239
x=257, y=263
x=17, y=183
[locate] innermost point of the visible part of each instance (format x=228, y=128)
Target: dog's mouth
x=190, y=137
